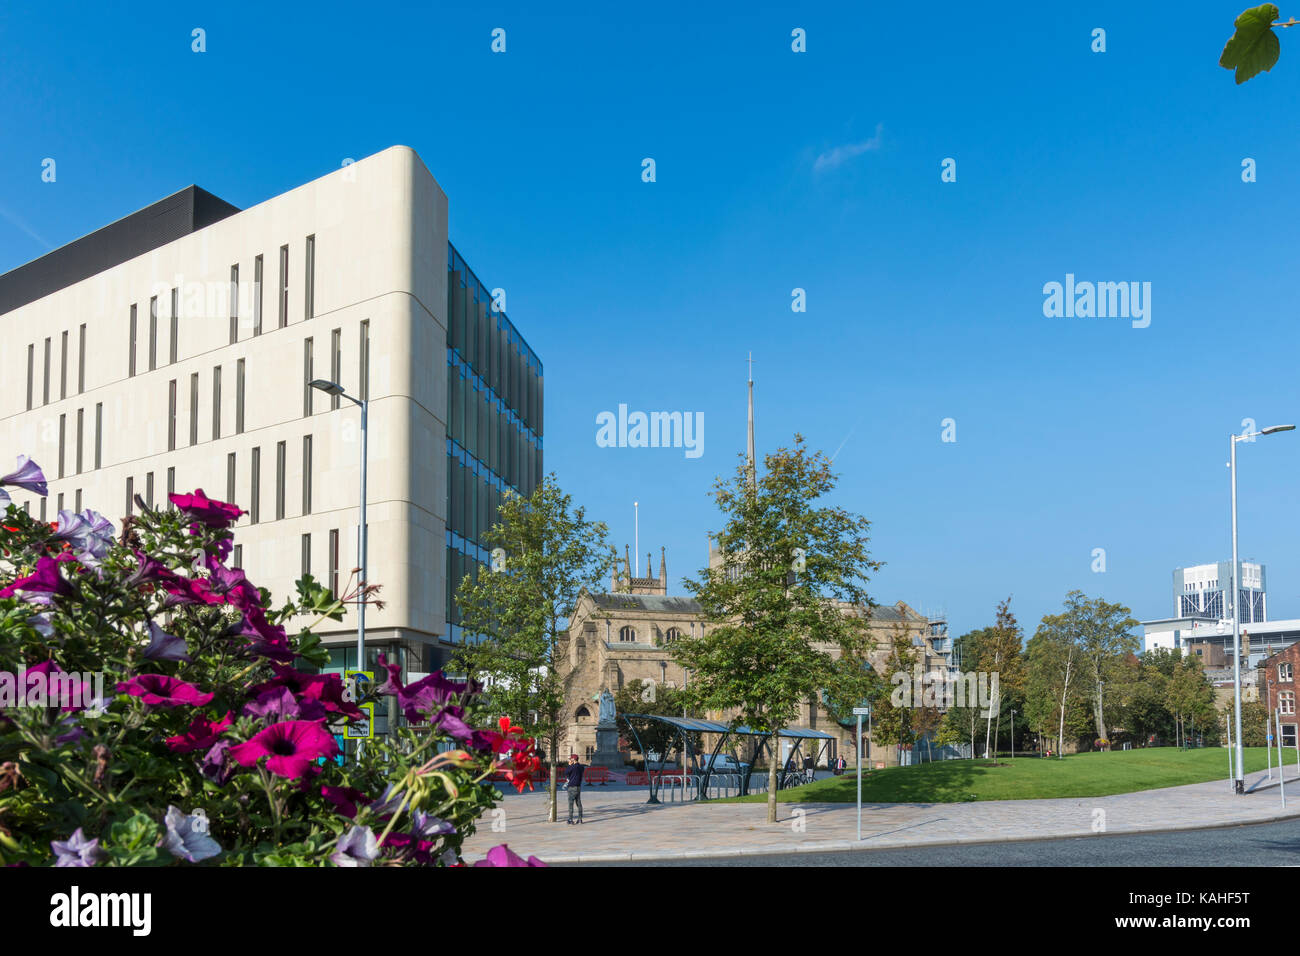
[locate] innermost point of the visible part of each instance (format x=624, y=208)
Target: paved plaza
x=621, y=826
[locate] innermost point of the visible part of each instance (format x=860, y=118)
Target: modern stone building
x=172, y=350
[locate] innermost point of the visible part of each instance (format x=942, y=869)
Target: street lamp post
x=333, y=388
x=1240, y=784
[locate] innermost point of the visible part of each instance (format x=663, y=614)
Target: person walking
x=573, y=784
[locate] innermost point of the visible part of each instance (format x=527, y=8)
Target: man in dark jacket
x=573, y=784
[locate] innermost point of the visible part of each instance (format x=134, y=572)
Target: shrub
x=154, y=709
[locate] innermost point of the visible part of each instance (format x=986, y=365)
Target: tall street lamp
x=333, y=388
x=1240, y=785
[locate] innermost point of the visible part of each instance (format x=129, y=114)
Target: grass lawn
x=1028, y=778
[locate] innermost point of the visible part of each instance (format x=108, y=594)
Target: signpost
x=860, y=712
x=354, y=689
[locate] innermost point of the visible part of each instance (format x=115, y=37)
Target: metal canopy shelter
x=686, y=725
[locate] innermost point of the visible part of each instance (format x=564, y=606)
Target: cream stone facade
x=627, y=634
x=115, y=398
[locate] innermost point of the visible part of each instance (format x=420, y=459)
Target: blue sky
x=924, y=299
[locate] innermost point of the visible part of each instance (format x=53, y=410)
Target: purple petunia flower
x=159, y=690
x=357, y=847
x=89, y=533
x=204, y=510
x=427, y=825
x=504, y=856
x=76, y=850
x=46, y=579
x=277, y=703
x=187, y=836
x=27, y=476
x=216, y=766
x=164, y=646
x=292, y=746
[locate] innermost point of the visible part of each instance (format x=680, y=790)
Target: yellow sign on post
x=354, y=688
x=363, y=729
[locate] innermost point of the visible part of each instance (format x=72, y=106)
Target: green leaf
x=1254, y=48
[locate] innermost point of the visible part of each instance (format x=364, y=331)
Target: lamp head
x=324, y=385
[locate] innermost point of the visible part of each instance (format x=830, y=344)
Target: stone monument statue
x=606, y=716
x=607, y=753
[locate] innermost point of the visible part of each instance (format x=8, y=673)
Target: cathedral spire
x=749, y=449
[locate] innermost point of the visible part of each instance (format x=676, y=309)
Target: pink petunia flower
x=159, y=690
x=293, y=747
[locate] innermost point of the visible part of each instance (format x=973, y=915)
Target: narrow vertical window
x=255, y=491
x=239, y=397
x=257, y=296
x=307, y=375
x=130, y=497
x=280, y=456
x=332, y=575
x=81, y=429
x=31, y=374
x=364, y=386
x=81, y=360
x=336, y=362
x=309, y=286
x=63, y=435
x=148, y=489
x=171, y=415
x=171, y=484
x=46, y=393
x=237, y=557
x=173, y=338
x=194, y=409
x=76, y=499
x=306, y=474
x=216, y=402
x=63, y=368
x=153, y=333
x=234, y=304
x=43, y=500
x=283, y=296
x=99, y=434
x=59, y=504
x=306, y=555
x=230, y=477
x=130, y=358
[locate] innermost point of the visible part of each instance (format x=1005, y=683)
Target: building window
x=1285, y=671
x=81, y=427
x=627, y=634
x=1288, y=735
x=234, y=304
x=306, y=474
x=63, y=368
x=130, y=497
x=255, y=492
x=239, y=397
x=230, y=477
x=309, y=295
x=216, y=402
x=63, y=435
x=153, y=333
x=280, y=456
x=1286, y=701
x=257, y=296
x=76, y=498
x=174, y=332
x=148, y=489
x=364, y=387
x=332, y=575
x=31, y=372
x=130, y=359
x=306, y=555
x=99, y=434
x=194, y=409
x=171, y=484
x=43, y=500
x=237, y=557
x=81, y=360
x=307, y=367
x=671, y=635
x=46, y=393
x=283, y=297
x=171, y=415
x=336, y=363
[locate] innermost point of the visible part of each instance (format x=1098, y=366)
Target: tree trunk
x=1060, y=734
x=771, y=778
x=1100, y=717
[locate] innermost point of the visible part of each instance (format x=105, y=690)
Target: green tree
x=969, y=649
x=1254, y=48
x=653, y=700
x=519, y=612
x=1000, y=654
x=776, y=637
x=1054, y=699
x=1103, y=633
